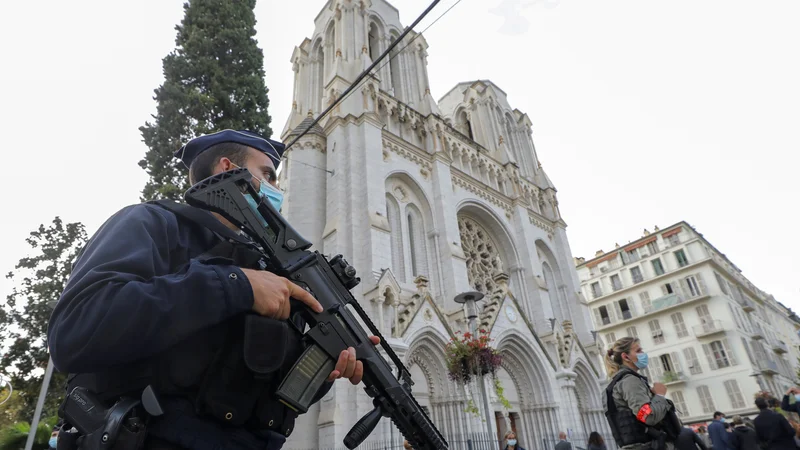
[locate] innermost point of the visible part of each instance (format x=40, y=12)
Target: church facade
x=429, y=200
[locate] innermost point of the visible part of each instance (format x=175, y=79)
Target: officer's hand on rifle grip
x=271, y=294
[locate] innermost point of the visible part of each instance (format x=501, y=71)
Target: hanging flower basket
x=470, y=355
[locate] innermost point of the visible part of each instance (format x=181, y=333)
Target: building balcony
x=757, y=332
x=746, y=304
x=709, y=328
x=768, y=366
x=671, y=378
x=779, y=347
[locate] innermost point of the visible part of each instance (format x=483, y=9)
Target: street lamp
x=48, y=373
x=469, y=299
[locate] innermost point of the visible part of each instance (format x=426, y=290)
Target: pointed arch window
x=416, y=239
x=396, y=233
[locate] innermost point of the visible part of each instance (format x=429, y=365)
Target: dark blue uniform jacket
x=137, y=289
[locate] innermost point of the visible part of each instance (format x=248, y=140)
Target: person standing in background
x=596, y=442
x=689, y=440
x=716, y=431
x=562, y=442
x=510, y=440
x=772, y=429
x=743, y=437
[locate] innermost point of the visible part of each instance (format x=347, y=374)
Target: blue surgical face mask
x=512, y=442
x=641, y=360
x=53, y=443
x=268, y=192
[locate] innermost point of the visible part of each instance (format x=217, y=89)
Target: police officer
x=637, y=414
x=159, y=299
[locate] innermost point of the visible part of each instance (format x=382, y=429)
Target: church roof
x=316, y=129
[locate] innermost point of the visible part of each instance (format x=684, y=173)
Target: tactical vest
x=229, y=372
x=625, y=427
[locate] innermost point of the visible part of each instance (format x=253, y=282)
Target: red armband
x=645, y=411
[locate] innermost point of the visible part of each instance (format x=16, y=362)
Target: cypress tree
x=214, y=80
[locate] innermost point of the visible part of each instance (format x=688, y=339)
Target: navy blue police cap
x=194, y=147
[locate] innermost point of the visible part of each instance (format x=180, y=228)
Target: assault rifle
x=331, y=331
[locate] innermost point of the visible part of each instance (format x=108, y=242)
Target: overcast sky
x=644, y=113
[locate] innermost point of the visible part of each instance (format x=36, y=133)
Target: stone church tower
x=428, y=200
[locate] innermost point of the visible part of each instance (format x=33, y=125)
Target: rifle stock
x=334, y=329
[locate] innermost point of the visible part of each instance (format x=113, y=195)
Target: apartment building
x=713, y=337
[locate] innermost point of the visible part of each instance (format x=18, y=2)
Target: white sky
x=644, y=113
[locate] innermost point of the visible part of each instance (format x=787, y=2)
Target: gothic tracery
x=483, y=258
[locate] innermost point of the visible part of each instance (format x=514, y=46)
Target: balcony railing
x=708, y=328
x=768, y=366
x=780, y=347
x=757, y=333
x=673, y=378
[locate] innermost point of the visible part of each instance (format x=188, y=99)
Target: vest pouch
x=266, y=345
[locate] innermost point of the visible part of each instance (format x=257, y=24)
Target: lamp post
x=48, y=373
x=470, y=299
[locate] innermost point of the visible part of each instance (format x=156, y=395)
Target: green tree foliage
x=40, y=279
x=214, y=80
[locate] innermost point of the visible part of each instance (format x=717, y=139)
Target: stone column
x=570, y=416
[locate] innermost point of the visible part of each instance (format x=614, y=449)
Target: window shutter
x=701, y=283
x=658, y=370
x=723, y=286
x=676, y=361
x=598, y=319
x=710, y=356
x=618, y=310
x=747, y=350
x=729, y=351
x=631, y=306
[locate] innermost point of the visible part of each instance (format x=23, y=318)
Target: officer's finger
x=375, y=340
x=284, y=309
x=301, y=294
x=358, y=374
x=334, y=375
x=341, y=364
x=351, y=363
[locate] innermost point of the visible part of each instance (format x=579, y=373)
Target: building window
x=705, y=399
x=692, y=361
x=631, y=332
x=657, y=267
x=735, y=394
x=611, y=338
x=633, y=255
x=605, y=317
x=680, y=326
x=723, y=286
x=673, y=240
x=483, y=256
x=625, y=309
x=680, y=403
x=616, y=284
x=666, y=363
x=655, y=330
x=705, y=316
x=645, y=298
x=693, y=286
x=719, y=355
x=636, y=275
x=652, y=247
x=680, y=256
x=398, y=258
x=596, y=290
x=667, y=289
